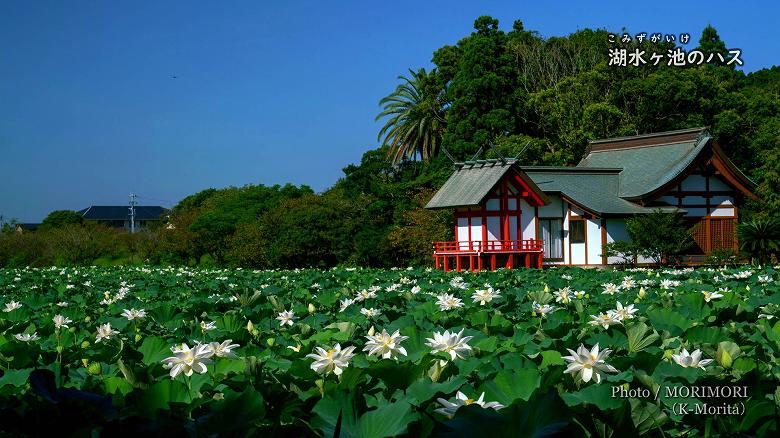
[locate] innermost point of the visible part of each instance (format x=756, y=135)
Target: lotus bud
x=85, y=361
x=249, y=326
x=642, y=292
x=94, y=368
x=311, y=308
x=60, y=348
x=72, y=329
x=270, y=342
x=85, y=344
x=137, y=338
x=546, y=288
x=87, y=319
x=371, y=331
x=668, y=354
x=218, y=396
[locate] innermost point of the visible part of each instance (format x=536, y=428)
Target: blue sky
x=265, y=92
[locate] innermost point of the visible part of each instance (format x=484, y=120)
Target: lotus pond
x=373, y=353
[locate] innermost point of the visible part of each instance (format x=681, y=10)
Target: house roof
x=473, y=180
x=593, y=189
x=651, y=161
x=122, y=212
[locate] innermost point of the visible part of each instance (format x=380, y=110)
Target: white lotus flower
x=62, y=304
x=709, y=296
x=452, y=343
x=691, y=360
x=27, y=337
x=132, y=314
x=579, y=294
x=461, y=400
x=286, y=317
x=669, y=284
x=224, y=349
x=343, y=304
x=61, y=321
x=624, y=313
x=542, y=310
x=188, y=360
x=370, y=313
x=448, y=301
x=563, y=295
x=610, y=288
x=385, y=345
x=416, y=289
x=105, y=331
x=365, y=294
x=11, y=306
x=605, y=319
x=588, y=364
x=332, y=360
x=764, y=279
x=483, y=296
x=207, y=326
x=628, y=283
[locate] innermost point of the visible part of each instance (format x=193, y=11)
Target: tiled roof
x=122, y=212
x=471, y=182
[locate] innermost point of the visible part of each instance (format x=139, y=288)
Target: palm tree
x=415, y=112
x=760, y=238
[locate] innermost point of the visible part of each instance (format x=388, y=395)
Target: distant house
x=509, y=215
x=119, y=215
x=26, y=227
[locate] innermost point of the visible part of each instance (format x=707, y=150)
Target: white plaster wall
x=554, y=209
x=695, y=183
x=717, y=184
x=527, y=222
x=616, y=230
x=593, y=229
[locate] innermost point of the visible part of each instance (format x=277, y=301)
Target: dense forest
x=493, y=92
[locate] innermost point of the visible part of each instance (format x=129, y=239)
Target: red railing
x=527, y=245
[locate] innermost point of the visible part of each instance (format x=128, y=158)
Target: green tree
x=60, y=218
x=759, y=238
x=660, y=236
x=710, y=42
x=414, y=114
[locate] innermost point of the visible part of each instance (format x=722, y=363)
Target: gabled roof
x=122, y=212
x=651, y=161
x=473, y=180
x=592, y=189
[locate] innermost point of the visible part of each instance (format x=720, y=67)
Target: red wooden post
x=479, y=262
x=457, y=263
x=492, y=262
x=446, y=264
x=436, y=260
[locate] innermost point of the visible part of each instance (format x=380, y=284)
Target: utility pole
x=133, y=196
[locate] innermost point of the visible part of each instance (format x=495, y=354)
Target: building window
x=551, y=233
x=577, y=231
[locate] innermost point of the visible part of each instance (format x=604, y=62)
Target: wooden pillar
x=509, y=261
x=492, y=262
x=446, y=264
x=436, y=261
x=457, y=263
x=479, y=262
